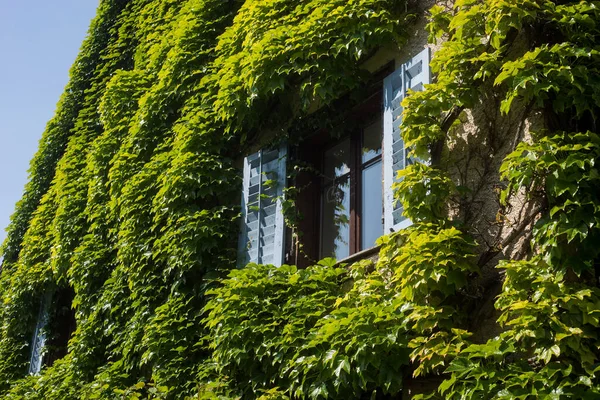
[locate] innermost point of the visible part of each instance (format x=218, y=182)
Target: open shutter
x=262, y=229
x=39, y=336
x=411, y=75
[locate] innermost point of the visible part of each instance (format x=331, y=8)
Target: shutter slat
x=39, y=336
x=252, y=217
x=261, y=237
x=268, y=197
x=268, y=237
x=269, y=220
x=253, y=234
x=412, y=75
x=398, y=217
x=270, y=155
x=254, y=182
x=270, y=209
x=398, y=146
x=253, y=199
x=398, y=161
x=268, y=249
x=271, y=167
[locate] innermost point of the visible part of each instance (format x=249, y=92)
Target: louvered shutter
x=262, y=232
x=39, y=336
x=411, y=75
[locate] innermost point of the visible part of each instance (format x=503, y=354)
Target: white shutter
x=411, y=75
x=39, y=336
x=262, y=228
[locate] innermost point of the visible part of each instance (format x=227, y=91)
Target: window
x=371, y=223
x=349, y=202
x=53, y=330
x=351, y=193
x=38, y=341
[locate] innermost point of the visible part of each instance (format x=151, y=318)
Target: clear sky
x=39, y=40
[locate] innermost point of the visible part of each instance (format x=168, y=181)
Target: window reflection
x=337, y=161
x=335, y=235
x=371, y=226
x=372, y=203
x=371, y=144
x=364, y=173
x=336, y=220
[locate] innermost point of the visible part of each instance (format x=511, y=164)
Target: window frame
x=356, y=186
x=361, y=116
x=389, y=85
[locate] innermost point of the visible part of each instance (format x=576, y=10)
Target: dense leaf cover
x=132, y=203
x=133, y=199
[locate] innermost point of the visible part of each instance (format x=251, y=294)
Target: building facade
x=315, y=199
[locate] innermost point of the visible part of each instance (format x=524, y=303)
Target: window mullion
x=355, y=187
x=372, y=161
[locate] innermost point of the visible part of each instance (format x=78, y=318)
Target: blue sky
x=39, y=40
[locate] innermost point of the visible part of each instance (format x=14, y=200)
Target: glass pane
x=371, y=223
x=337, y=161
x=372, y=137
x=335, y=234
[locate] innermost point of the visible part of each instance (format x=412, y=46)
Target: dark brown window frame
x=356, y=167
x=309, y=200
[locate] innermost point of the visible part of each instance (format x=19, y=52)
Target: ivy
x=132, y=199
x=296, y=53
x=548, y=345
x=132, y=204
x=321, y=332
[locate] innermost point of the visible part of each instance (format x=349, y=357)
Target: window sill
x=359, y=256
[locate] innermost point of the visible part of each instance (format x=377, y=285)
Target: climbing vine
x=132, y=205
x=545, y=55
x=132, y=199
